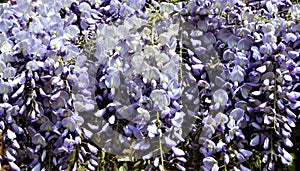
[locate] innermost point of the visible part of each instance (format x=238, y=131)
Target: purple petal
x=208, y=162
x=69, y=123
x=246, y=153
x=92, y=148
x=15, y=144
x=13, y=166
x=265, y=158
x=90, y=167
x=290, y=113
x=2, y=125
x=93, y=162
x=262, y=69
x=266, y=143
x=287, y=155
x=237, y=114
x=37, y=167
x=10, y=157
x=288, y=142
x=178, y=152
x=220, y=96
x=243, y=168
x=137, y=133
x=179, y=167
x=293, y=96
x=11, y=135
x=244, y=44
x=254, y=141
x=43, y=156
x=229, y=55
x=17, y=129
x=39, y=139
x=290, y=37
x=237, y=74
x=100, y=113
x=197, y=68
x=272, y=8
x=293, y=54
x=233, y=41
x=284, y=162
x=215, y=167
x=30, y=152
x=19, y=91
x=32, y=66
x=226, y=158
x=46, y=126
x=271, y=166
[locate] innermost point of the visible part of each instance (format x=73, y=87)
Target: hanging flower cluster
x=258, y=52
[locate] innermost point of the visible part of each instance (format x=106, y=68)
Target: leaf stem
x=275, y=118
x=154, y=18
x=160, y=143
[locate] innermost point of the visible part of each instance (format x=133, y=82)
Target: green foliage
x=292, y=164
x=122, y=168
x=175, y=1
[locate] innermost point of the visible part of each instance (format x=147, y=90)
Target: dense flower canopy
x=149, y=85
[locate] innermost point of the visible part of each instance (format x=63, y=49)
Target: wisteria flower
x=210, y=164
x=160, y=99
x=220, y=98
x=143, y=114
x=69, y=123
x=295, y=11
x=221, y=118
x=112, y=81
x=39, y=140
x=272, y=8
x=290, y=37
x=237, y=74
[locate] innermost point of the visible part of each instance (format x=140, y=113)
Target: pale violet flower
x=237, y=74
x=295, y=11
x=112, y=81
x=236, y=114
x=151, y=73
x=221, y=118
x=144, y=114
x=160, y=99
x=220, y=98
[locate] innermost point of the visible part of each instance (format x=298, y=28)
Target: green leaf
x=174, y=1
x=292, y=165
x=137, y=164
x=72, y=159
x=122, y=168
x=258, y=161
x=81, y=168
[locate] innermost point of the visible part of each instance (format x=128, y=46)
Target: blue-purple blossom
x=272, y=8
x=221, y=118
x=290, y=37
x=67, y=66
x=178, y=152
x=210, y=164
x=160, y=99
x=39, y=140
x=220, y=98
x=295, y=11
